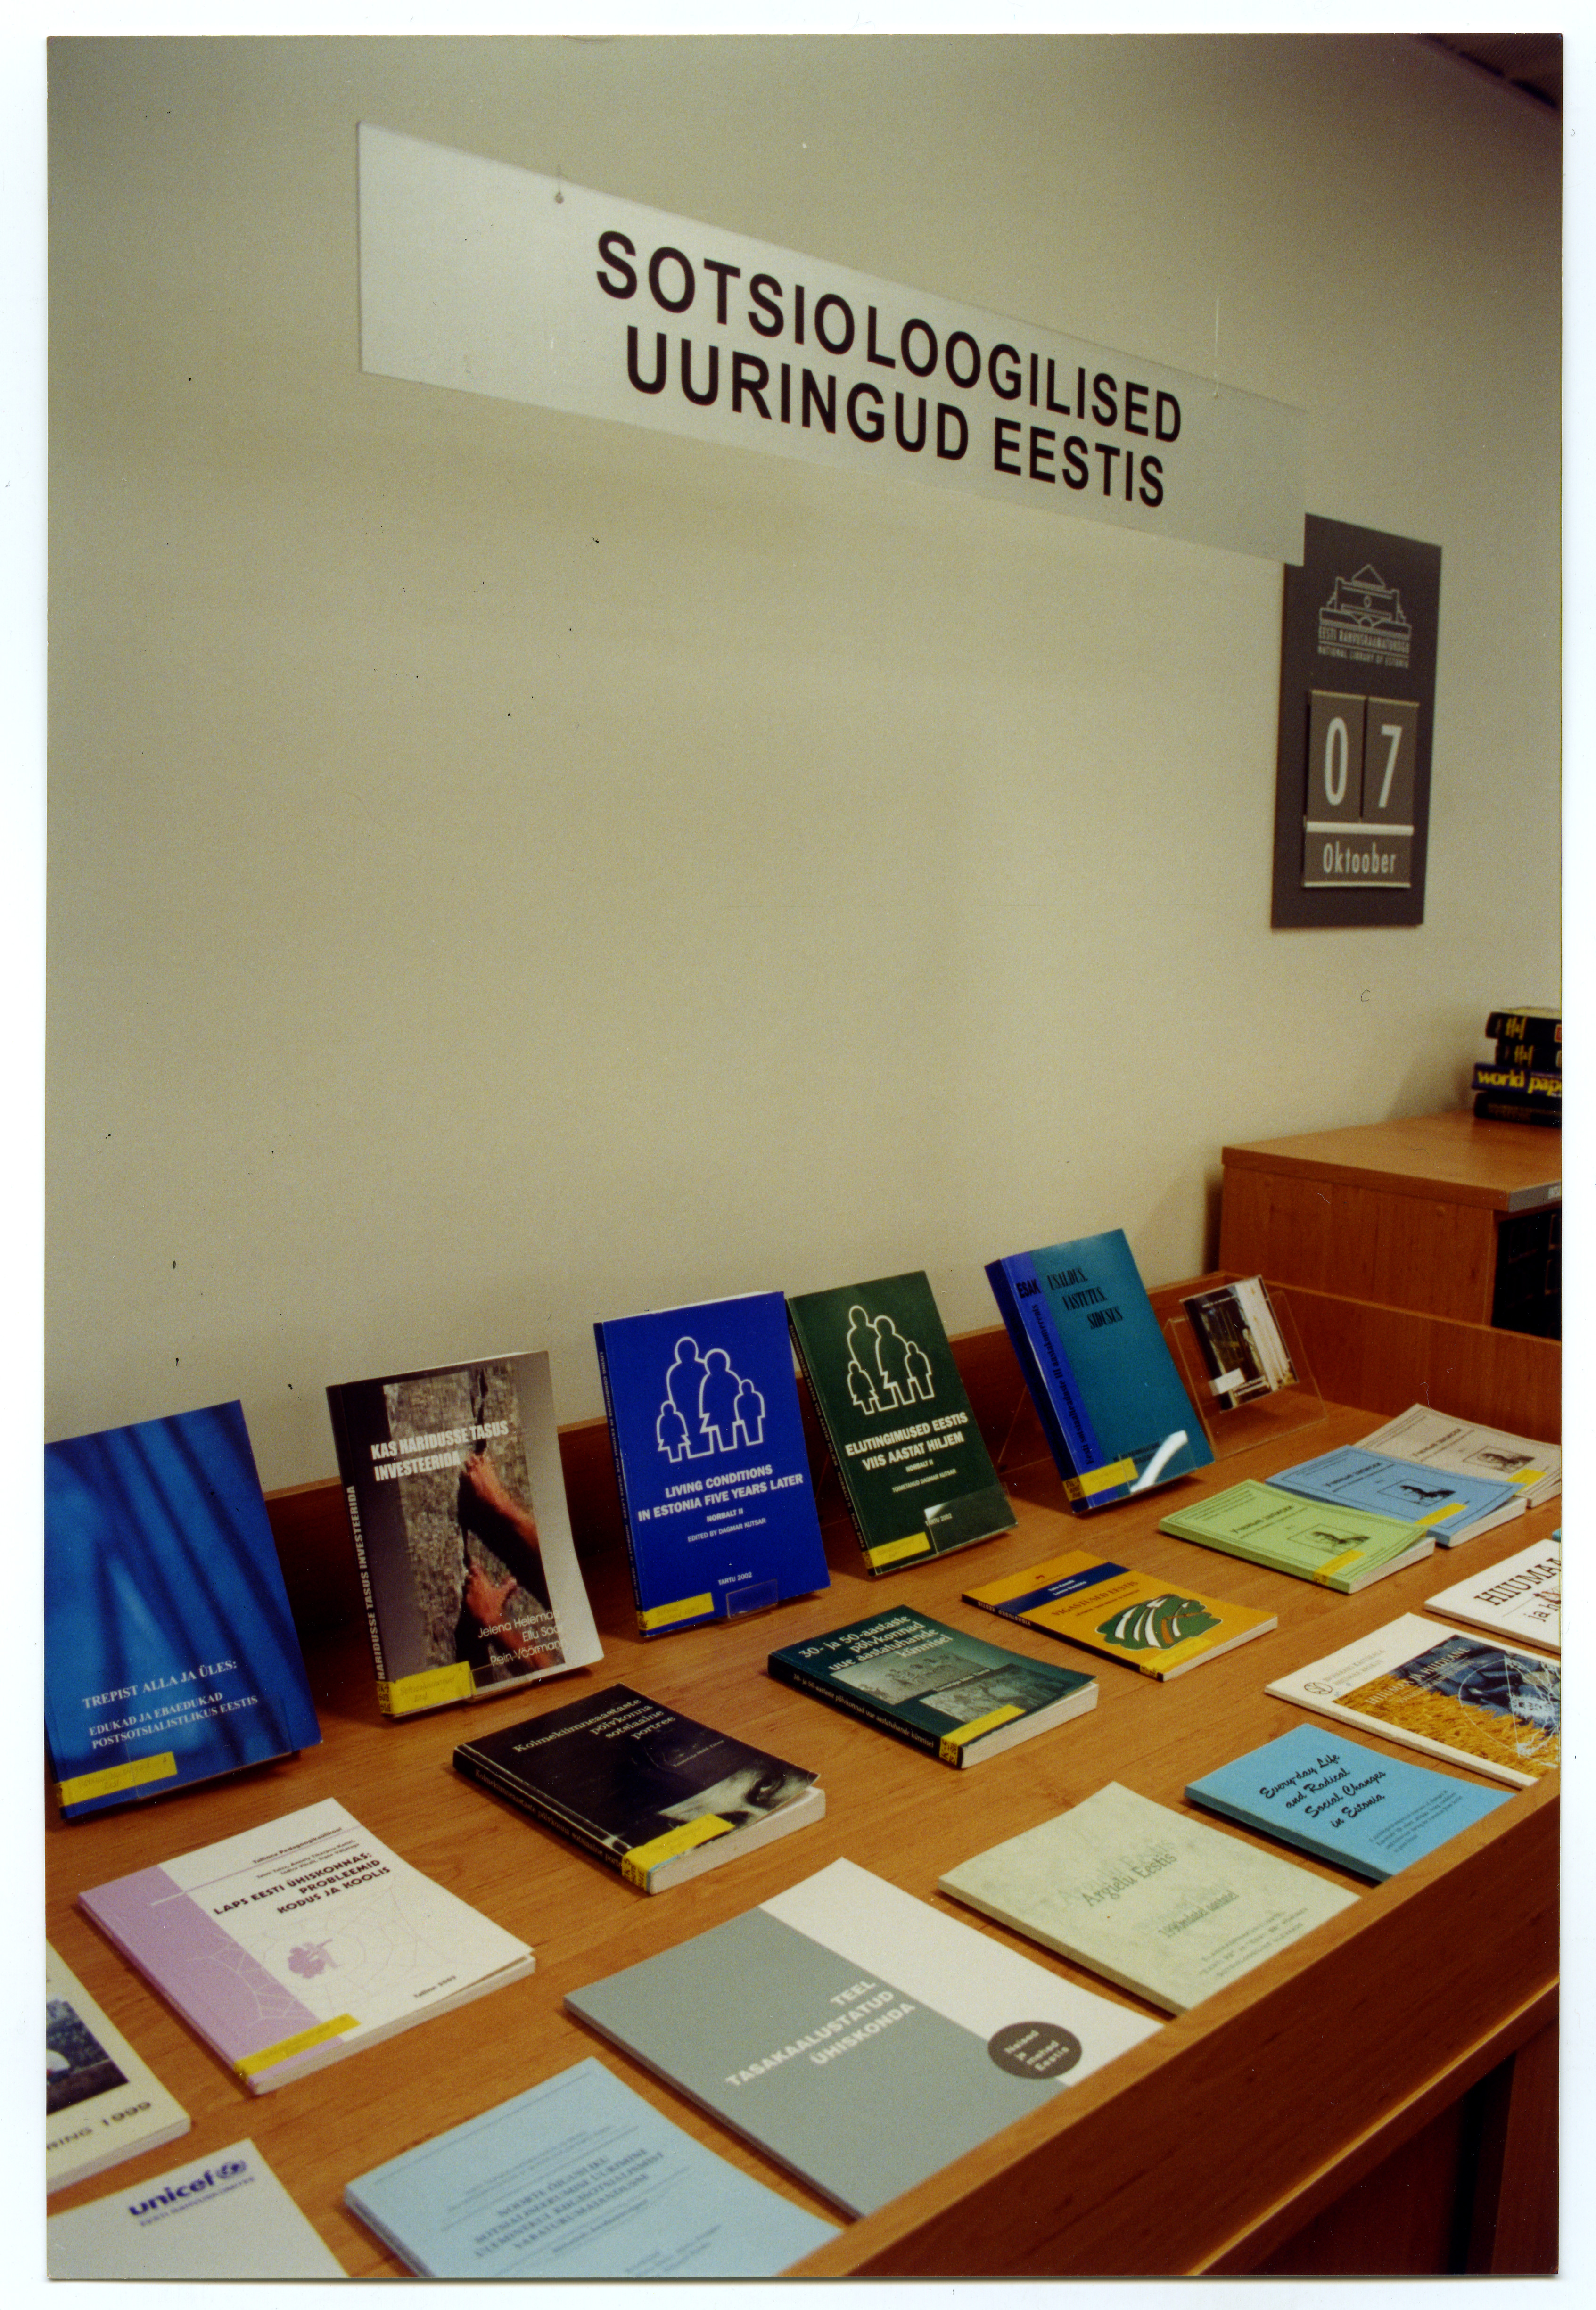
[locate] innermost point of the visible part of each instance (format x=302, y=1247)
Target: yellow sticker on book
x=950, y=1744
x=428, y=1688
x=1526, y=1477
x=1347, y=1562
x=893, y=1552
x=134, y=1775
x=286, y=2048
x=642, y=1861
x=665, y=1616
x=1087, y=1486
x=1437, y=1516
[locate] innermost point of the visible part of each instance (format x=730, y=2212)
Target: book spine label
x=351, y=1502
x=643, y=1628
x=1502, y=1108
x=1525, y=1026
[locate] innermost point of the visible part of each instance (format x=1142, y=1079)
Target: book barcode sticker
x=952, y=1742
x=643, y=1860
x=132, y=1774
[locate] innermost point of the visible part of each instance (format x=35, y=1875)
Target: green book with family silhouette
x=916, y=1476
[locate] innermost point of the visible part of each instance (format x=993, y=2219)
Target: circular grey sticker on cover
x=1034, y=2049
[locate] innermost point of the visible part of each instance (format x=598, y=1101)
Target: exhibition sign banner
x=494, y=280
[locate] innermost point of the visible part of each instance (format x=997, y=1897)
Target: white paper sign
x=493, y=279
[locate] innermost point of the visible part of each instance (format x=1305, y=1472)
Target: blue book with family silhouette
x=709, y=1454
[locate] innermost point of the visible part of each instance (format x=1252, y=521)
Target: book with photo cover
x=299, y=1941
x=654, y=1793
x=102, y=2103
x=710, y=1459
x=1126, y=1616
x=919, y=1478
x=953, y=1694
x=858, y=2036
x=1343, y=1802
x=170, y=1654
x=1160, y=1905
x=1111, y=1403
x=1488, y=1706
x=580, y=2177
x=1239, y=1336
x=455, y=1498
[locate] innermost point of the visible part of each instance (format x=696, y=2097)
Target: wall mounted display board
x=1357, y=698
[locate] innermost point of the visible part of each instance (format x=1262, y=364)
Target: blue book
x=580, y=2177
x=170, y=1650
x=1112, y=1406
x=709, y=1454
x=1452, y=1506
x=1367, y=1812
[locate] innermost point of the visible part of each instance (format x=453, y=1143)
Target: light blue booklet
x=580, y=2177
x=1347, y=1804
x=1454, y=1507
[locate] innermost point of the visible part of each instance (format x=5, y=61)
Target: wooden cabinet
x=1389, y=2043
x=1390, y=1236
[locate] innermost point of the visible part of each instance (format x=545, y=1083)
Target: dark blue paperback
x=1347, y=1804
x=1106, y=1392
x=709, y=1453
x=170, y=1650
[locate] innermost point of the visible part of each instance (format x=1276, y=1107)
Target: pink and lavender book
x=300, y=1940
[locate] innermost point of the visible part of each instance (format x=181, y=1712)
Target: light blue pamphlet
x=1455, y=1507
x=580, y=2177
x=1350, y=1805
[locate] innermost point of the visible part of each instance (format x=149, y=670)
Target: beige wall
x=507, y=868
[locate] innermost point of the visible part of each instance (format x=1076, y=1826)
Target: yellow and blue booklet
x=580, y=2177
x=170, y=1649
x=1129, y=1616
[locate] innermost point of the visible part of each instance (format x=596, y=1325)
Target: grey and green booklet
x=860, y=2037
x=1147, y=1899
x=919, y=1478
x=1336, y=1547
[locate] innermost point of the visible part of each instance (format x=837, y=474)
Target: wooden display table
x=1417, y=2025
x=1388, y=1235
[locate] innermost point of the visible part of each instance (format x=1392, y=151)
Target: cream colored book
x=1166, y=1906
x=101, y=2102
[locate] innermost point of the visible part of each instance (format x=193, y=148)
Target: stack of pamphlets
x=1239, y=1335
x=1463, y=1447
x=1308, y=1539
x=1454, y=1508
x=298, y=1942
x=654, y=1793
x=580, y=2177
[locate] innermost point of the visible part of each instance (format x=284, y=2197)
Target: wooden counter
x=1415, y=2027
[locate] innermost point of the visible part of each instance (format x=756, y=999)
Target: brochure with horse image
x=1345, y=1804
x=919, y=1478
x=455, y=1498
x=710, y=1459
x=857, y=2035
x=1487, y=1706
x=170, y=1654
x=1117, y=1418
x=294, y=1943
x=654, y=1793
x=953, y=1694
x=1127, y=1616
x=580, y=2177
x=1311, y=1540
x=1155, y=1902
x=101, y=2102
x=1454, y=1507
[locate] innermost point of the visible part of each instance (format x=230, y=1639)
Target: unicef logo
x=232, y=2165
